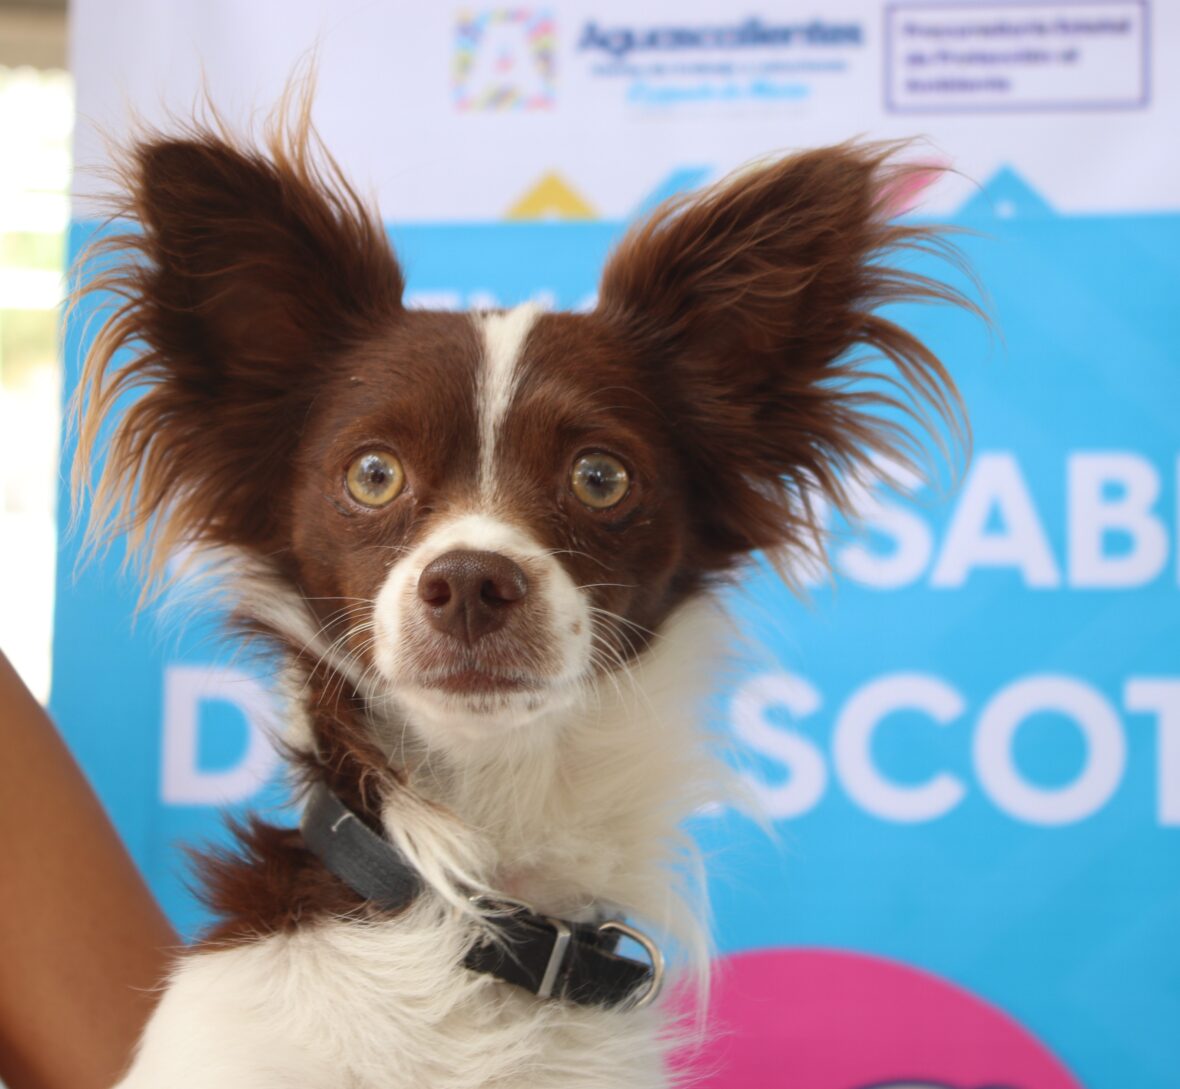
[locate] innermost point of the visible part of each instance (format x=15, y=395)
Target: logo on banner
x=753, y=60
x=504, y=60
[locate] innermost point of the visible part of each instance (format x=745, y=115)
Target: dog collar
x=545, y=955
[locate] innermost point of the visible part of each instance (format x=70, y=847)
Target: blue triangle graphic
x=679, y=181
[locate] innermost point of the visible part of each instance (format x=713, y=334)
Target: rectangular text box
x=949, y=57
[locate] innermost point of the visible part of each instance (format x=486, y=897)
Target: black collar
x=551, y=957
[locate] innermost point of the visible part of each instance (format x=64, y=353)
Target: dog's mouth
x=468, y=702
x=469, y=681
x=457, y=695
x=503, y=669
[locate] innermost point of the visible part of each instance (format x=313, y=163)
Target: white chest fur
x=381, y=1006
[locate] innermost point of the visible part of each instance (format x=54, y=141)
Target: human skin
x=83, y=945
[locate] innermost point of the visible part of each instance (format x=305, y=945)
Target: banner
x=969, y=741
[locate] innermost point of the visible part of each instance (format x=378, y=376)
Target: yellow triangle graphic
x=551, y=198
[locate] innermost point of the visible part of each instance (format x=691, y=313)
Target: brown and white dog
x=485, y=546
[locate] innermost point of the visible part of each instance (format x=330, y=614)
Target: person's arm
x=83, y=945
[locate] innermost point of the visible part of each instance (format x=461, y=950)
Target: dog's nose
x=469, y=594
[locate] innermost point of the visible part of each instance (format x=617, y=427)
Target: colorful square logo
x=504, y=60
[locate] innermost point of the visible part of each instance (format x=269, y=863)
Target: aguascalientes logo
x=504, y=60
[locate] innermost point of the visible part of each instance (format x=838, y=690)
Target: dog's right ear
x=255, y=259
x=248, y=273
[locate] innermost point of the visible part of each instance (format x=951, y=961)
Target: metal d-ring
x=653, y=954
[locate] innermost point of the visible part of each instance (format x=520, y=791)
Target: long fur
x=288, y=209
x=784, y=266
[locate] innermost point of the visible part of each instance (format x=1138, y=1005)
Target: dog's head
x=480, y=515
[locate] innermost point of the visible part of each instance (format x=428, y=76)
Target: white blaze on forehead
x=504, y=337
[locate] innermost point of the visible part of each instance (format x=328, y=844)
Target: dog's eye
x=375, y=478
x=599, y=480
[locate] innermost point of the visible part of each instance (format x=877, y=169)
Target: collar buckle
x=562, y=933
x=561, y=944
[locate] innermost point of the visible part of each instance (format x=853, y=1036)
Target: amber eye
x=375, y=478
x=599, y=480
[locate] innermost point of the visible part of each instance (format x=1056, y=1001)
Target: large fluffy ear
x=248, y=270
x=752, y=298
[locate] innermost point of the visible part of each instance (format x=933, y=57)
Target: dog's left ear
x=748, y=301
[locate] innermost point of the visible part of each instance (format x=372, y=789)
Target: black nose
x=470, y=594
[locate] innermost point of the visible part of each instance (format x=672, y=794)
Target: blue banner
x=970, y=740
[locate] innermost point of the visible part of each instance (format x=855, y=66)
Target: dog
x=486, y=548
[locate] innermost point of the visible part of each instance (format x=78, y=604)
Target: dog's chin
x=469, y=714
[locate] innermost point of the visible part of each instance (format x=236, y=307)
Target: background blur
x=36, y=123
x=970, y=742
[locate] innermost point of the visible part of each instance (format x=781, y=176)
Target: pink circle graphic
x=832, y=1019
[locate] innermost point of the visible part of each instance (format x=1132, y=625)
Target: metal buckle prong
x=561, y=943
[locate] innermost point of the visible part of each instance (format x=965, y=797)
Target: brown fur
x=268, y=881
x=250, y=272
x=748, y=302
